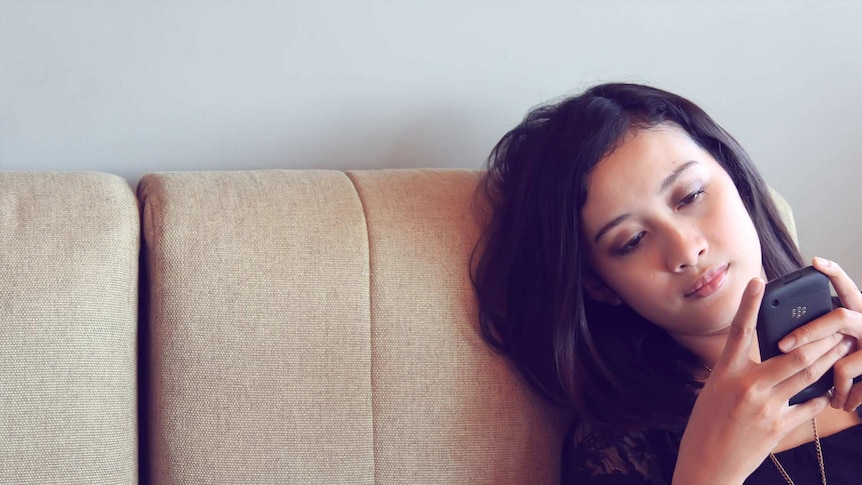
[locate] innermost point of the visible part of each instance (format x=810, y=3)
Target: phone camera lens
x=774, y=303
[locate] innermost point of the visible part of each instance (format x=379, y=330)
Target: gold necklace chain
x=819, y=458
x=777, y=463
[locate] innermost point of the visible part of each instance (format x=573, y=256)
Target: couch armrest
x=68, y=316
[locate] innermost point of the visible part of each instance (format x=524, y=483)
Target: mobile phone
x=788, y=303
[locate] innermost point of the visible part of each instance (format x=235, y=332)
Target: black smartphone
x=788, y=303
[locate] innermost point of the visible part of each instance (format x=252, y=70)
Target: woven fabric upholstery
x=786, y=213
x=447, y=410
x=68, y=314
x=320, y=327
x=259, y=328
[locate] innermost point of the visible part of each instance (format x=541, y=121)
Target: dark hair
x=616, y=369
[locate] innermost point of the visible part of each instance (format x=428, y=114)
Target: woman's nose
x=685, y=247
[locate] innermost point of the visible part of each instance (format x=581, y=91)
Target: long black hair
x=616, y=369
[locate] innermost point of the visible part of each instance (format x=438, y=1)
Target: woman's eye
x=632, y=244
x=692, y=197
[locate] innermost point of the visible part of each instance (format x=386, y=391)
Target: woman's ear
x=599, y=291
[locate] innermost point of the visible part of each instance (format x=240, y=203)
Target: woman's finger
x=845, y=371
x=846, y=289
x=840, y=320
x=854, y=400
x=805, y=365
x=742, y=329
x=785, y=366
x=805, y=411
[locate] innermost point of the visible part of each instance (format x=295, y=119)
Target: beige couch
x=253, y=327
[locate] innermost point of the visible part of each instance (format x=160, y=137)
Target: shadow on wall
x=437, y=138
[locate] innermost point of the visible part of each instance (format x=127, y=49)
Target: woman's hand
x=846, y=321
x=742, y=412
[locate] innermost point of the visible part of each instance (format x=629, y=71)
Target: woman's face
x=668, y=233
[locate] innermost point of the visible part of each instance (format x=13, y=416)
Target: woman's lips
x=711, y=282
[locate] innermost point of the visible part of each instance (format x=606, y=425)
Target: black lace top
x=648, y=458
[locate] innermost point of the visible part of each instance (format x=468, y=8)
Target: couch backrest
x=68, y=313
x=298, y=327
x=319, y=327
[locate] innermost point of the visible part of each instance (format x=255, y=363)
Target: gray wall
x=132, y=87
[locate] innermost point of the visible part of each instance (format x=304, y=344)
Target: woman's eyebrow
x=610, y=225
x=667, y=182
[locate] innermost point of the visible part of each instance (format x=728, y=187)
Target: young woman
x=622, y=271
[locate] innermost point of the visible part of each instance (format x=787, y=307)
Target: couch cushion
x=447, y=409
x=68, y=313
x=259, y=328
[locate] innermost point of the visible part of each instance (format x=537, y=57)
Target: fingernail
x=787, y=344
x=756, y=286
x=822, y=262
